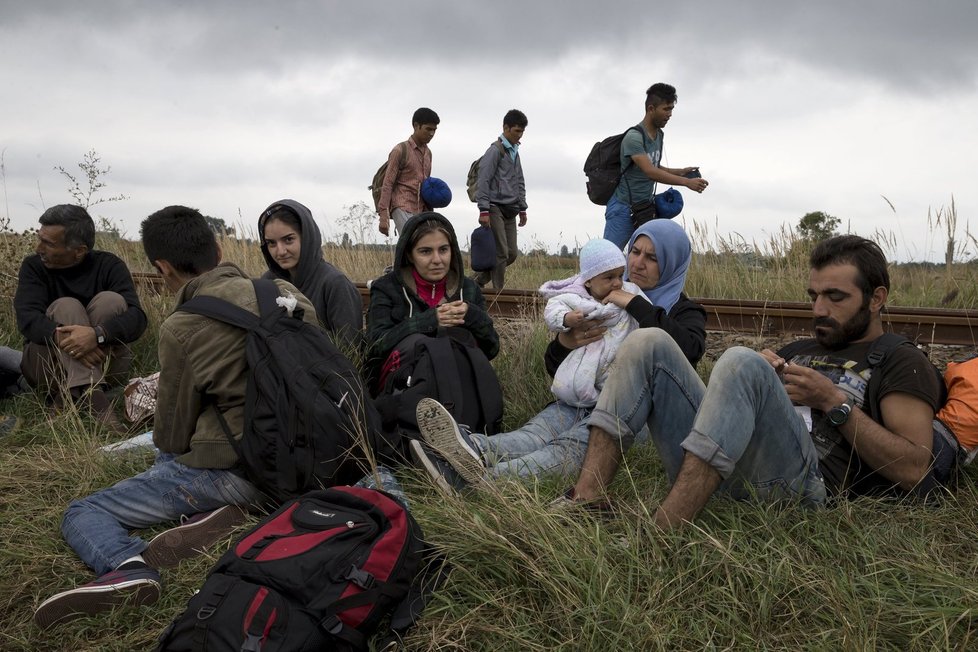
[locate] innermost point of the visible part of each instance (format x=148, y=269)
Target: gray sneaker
x=441, y=432
x=441, y=472
x=192, y=536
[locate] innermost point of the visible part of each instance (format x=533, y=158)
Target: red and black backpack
x=324, y=572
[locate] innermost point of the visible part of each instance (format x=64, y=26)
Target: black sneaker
x=136, y=586
x=192, y=536
x=441, y=432
x=441, y=472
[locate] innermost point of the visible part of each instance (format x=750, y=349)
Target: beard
x=838, y=336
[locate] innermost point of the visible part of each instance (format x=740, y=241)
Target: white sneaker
x=441, y=432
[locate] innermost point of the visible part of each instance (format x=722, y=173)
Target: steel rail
x=774, y=318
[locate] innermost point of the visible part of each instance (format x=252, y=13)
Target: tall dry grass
x=866, y=574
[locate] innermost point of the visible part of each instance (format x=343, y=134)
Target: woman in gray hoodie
x=293, y=249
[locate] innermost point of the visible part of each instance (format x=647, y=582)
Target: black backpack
x=324, y=572
x=449, y=368
x=603, y=167
x=307, y=424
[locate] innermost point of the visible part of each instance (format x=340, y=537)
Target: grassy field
x=857, y=575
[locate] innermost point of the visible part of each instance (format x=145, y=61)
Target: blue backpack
x=483, y=249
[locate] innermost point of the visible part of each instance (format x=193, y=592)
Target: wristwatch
x=839, y=414
x=99, y=335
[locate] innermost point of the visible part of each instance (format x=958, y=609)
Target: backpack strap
x=222, y=311
x=640, y=129
x=449, y=389
x=266, y=291
x=877, y=355
x=490, y=397
x=502, y=148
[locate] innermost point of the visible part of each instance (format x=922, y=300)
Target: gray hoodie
x=337, y=301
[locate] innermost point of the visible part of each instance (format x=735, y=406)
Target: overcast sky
x=228, y=106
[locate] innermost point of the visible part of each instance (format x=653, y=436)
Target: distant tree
x=817, y=226
x=218, y=225
x=346, y=243
x=563, y=251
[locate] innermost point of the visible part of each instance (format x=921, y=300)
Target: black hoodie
x=397, y=311
x=337, y=301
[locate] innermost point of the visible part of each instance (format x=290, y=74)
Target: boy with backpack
x=641, y=155
x=201, y=407
x=500, y=194
x=408, y=165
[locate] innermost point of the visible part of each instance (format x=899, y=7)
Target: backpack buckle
x=361, y=578
x=331, y=625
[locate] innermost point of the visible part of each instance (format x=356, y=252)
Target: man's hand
x=385, y=223
x=93, y=358
x=76, y=340
x=522, y=218
x=484, y=218
x=696, y=185
x=777, y=362
x=452, y=314
x=81, y=343
x=806, y=386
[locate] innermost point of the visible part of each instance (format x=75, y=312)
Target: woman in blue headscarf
x=555, y=440
x=658, y=256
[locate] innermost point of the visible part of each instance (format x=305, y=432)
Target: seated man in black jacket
x=78, y=311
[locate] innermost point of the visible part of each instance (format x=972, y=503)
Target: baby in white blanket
x=570, y=302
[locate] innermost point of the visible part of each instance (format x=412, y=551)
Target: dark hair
x=425, y=116
x=515, y=118
x=429, y=226
x=660, y=93
x=78, y=224
x=282, y=214
x=865, y=255
x=182, y=237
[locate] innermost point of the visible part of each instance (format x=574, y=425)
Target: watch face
x=838, y=415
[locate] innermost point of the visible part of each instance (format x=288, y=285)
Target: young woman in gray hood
x=293, y=249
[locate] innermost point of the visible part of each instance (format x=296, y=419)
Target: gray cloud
x=905, y=44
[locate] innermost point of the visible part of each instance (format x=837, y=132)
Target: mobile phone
x=694, y=174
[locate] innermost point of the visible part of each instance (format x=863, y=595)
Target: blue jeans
x=618, y=222
x=97, y=527
x=743, y=424
x=384, y=480
x=553, y=441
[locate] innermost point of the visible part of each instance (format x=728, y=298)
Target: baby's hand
x=573, y=319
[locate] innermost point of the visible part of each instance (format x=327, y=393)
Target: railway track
x=774, y=318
